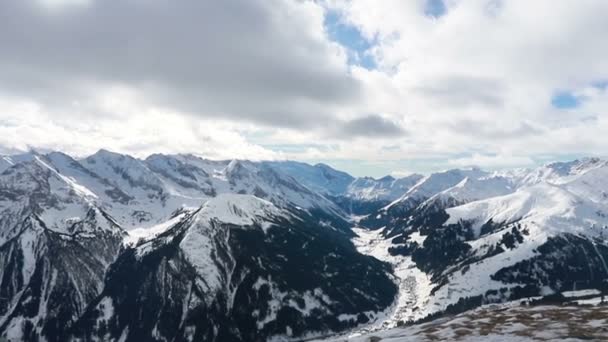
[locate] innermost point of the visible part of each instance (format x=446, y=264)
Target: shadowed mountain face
x=279, y=274
x=172, y=248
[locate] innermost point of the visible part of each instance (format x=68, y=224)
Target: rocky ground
x=507, y=322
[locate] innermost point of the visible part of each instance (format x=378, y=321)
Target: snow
x=106, y=307
x=206, y=232
x=28, y=240
x=417, y=238
x=5, y=163
x=548, y=206
x=320, y=177
x=239, y=209
x=473, y=189
x=590, y=301
x=8, y=160
x=140, y=194
x=144, y=234
x=384, y=189
x=313, y=301
x=81, y=190
x=581, y=293
x=435, y=183
x=414, y=285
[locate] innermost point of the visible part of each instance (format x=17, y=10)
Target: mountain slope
x=55, y=248
x=392, y=216
x=493, y=239
x=509, y=322
x=262, y=272
x=176, y=247
x=320, y=177
x=144, y=193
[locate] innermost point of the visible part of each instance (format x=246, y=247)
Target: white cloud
x=481, y=77
x=492, y=161
x=262, y=79
x=140, y=130
x=401, y=173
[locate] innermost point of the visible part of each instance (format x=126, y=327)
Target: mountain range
x=180, y=248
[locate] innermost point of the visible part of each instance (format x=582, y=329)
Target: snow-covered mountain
x=177, y=247
x=386, y=188
x=494, y=237
x=391, y=215
x=238, y=269
x=55, y=246
x=219, y=237
x=356, y=196
x=320, y=177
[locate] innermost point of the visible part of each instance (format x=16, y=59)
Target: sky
x=372, y=87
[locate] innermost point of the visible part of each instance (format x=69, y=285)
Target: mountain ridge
x=304, y=250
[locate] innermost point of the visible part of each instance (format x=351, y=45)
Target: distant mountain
x=426, y=187
x=320, y=177
x=357, y=196
x=384, y=189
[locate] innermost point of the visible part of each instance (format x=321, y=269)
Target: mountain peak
x=238, y=209
x=387, y=178
x=109, y=155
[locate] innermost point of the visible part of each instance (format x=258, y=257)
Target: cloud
x=25, y=125
x=492, y=161
x=369, y=126
x=480, y=77
x=460, y=90
x=401, y=173
x=268, y=79
x=267, y=62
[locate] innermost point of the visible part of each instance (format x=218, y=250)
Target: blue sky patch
x=565, y=100
x=434, y=8
x=351, y=38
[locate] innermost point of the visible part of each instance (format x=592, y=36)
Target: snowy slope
x=320, y=177
x=441, y=189
x=36, y=187
x=548, y=206
x=238, y=268
x=433, y=184
x=146, y=193
x=7, y=161
x=384, y=189
x=55, y=246
x=474, y=189
x=496, y=237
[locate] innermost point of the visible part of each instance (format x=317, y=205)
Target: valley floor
x=414, y=285
x=504, y=322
